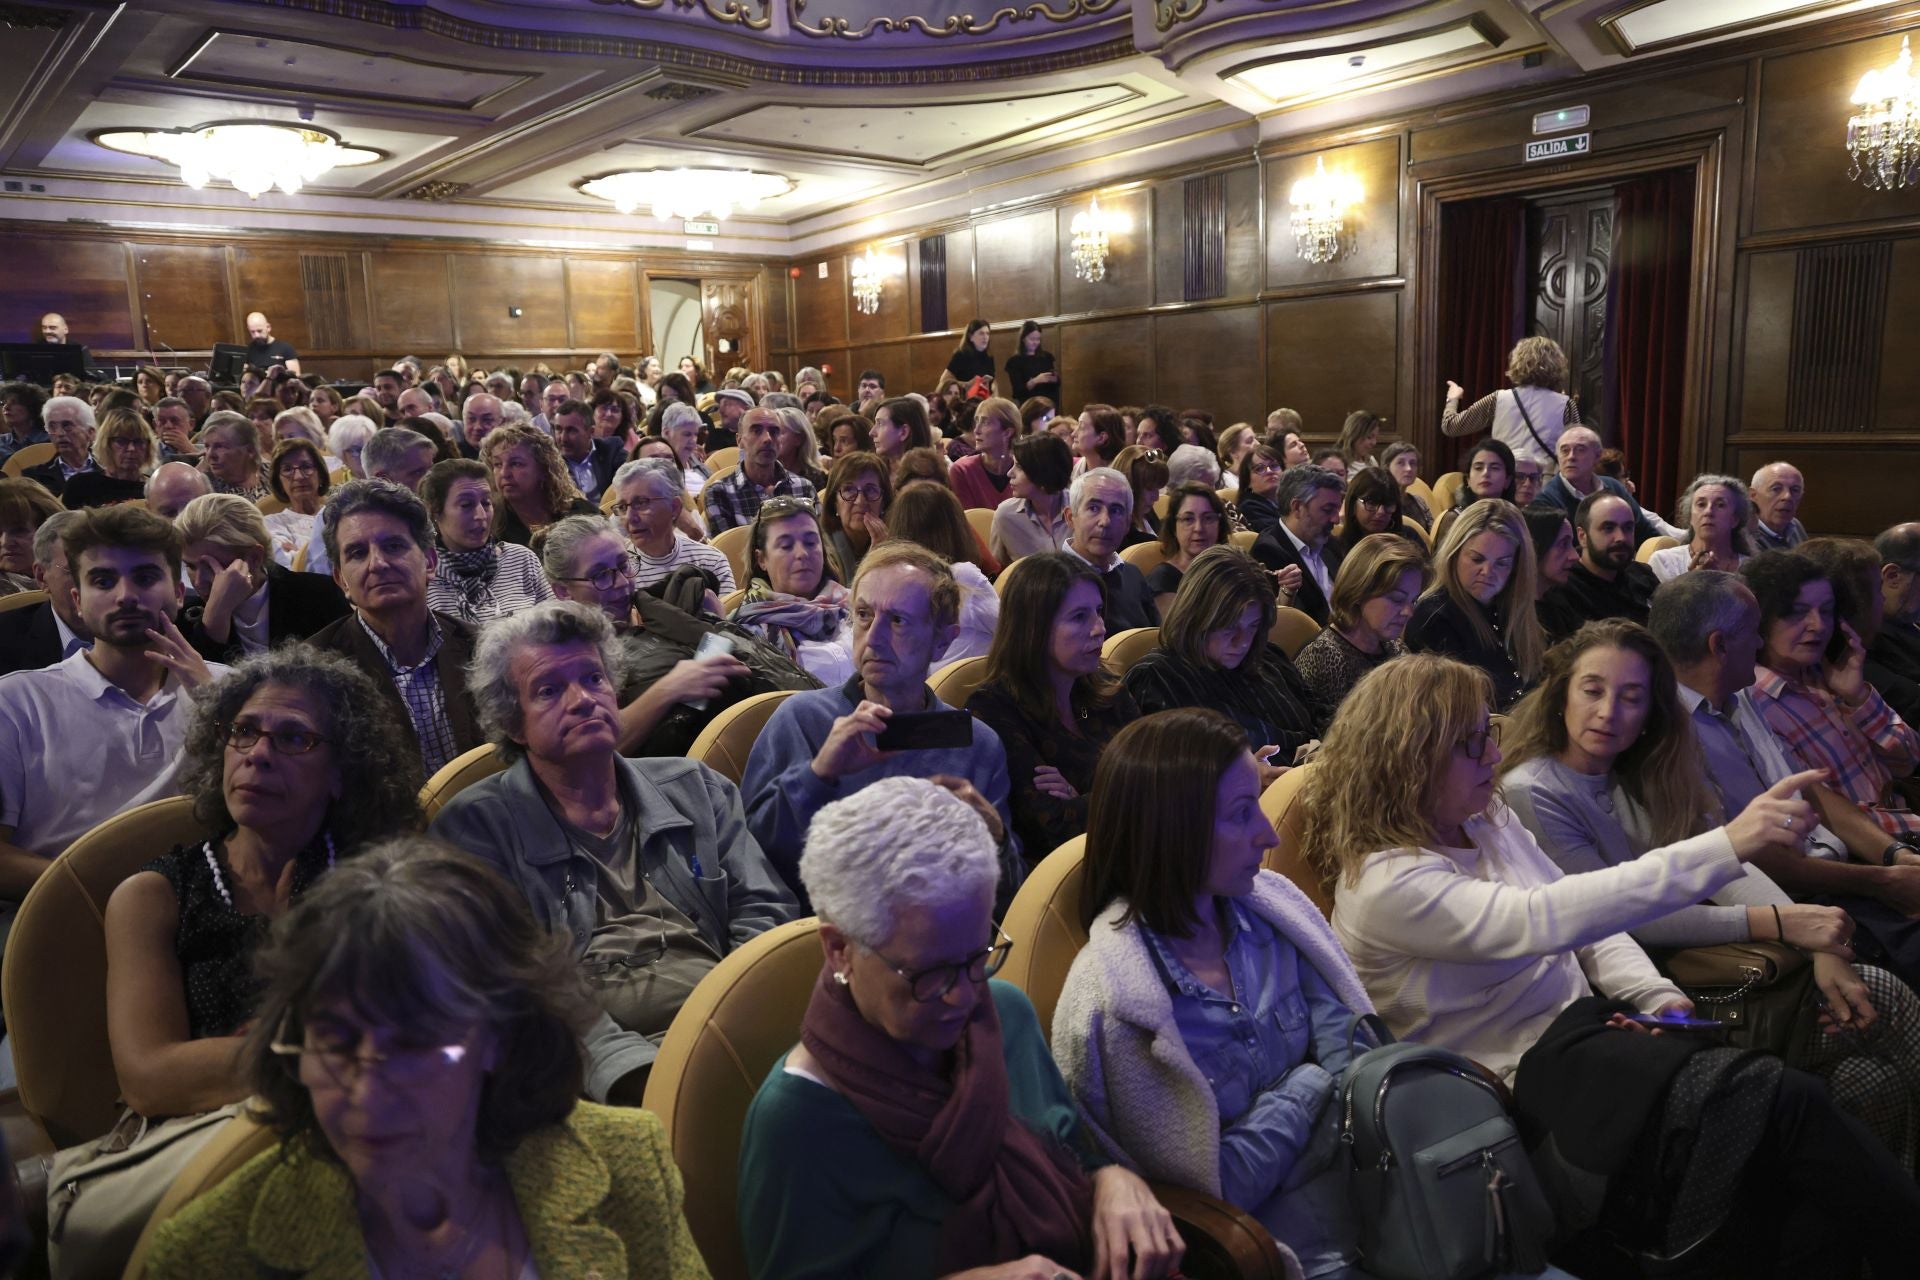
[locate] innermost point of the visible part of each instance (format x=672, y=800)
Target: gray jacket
x=694, y=846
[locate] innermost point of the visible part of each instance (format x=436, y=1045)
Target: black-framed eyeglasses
x=242, y=736
x=603, y=578
x=933, y=982
x=1475, y=744
x=1375, y=504
x=852, y=493
x=343, y=1062
x=622, y=508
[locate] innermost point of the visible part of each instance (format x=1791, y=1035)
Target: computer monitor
x=229, y=362
x=40, y=361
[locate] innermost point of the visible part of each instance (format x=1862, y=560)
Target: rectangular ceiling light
x=1282, y=79
x=1666, y=21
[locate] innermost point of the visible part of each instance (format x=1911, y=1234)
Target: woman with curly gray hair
x=1716, y=510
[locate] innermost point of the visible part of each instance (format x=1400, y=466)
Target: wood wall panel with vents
x=184, y=296
x=1839, y=322
x=603, y=300
x=1899, y=398
x=86, y=281
x=820, y=303
x=1169, y=242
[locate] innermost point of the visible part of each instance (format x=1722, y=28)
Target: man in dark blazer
x=591, y=460
x=298, y=605
x=242, y=602
x=1299, y=549
x=40, y=635
x=70, y=429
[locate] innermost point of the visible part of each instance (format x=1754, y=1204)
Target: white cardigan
x=1478, y=950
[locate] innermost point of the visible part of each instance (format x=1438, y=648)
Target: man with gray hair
x=172, y=486
x=646, y=865
x=1193, y=462
x=1099, y=513
x=173, y=422
x=647, y=503
x=53, y=630
x=416, y=402
x=1579, y=478
x=1893, y=654
x=398, y=454
x=604, y=369
x=1776, y=491
x=70, y=427
x=1299, y=549
x=198, y=393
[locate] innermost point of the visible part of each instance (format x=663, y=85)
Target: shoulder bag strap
x=1528, y=419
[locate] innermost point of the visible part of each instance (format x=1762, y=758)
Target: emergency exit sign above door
x=1574, y=144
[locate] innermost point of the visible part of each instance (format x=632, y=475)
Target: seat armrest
x=1223, y=1242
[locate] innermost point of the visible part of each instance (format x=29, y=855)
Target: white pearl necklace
x=219, y=882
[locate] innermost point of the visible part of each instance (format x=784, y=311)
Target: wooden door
x=728, y=313
x=1570, y=246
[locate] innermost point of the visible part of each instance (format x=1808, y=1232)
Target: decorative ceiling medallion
x=1168, y=12
x=254, y=155
x=673, y=91
x=958, y=24
x=27, y=17
x=751, y=14
x=434, y=191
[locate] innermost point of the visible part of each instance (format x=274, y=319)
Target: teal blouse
x=821, y=1194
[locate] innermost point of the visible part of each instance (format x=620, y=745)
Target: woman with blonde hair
x=326, y=404
x=1480, y=608
x=1146, y=473
x=1467, y=937
x=127, y=451
x=1359, y=434
x=1374, y=595
x=981, y=479
x=799, y=447
x=1235, y=443
x=532, y=487
x=1527, y=417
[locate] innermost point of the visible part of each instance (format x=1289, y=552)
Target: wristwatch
x=1891, y=854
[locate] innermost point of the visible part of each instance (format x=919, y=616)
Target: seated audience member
x=1601, y=767
x=981, y=480
x=646, y=867
x=298, y=476
x=24, y=507
x=1487, y=473
x=1047, y=697
x=22, y=406
x=681, y=430
x=346, y=438
x=850, y=433
x=1860, y=602
x=1204, y=1027
x=1811, y=689
x=1374, y=598
x=52, y=630
x=1155, y=428
x=1146, y=473
x=1606, y=581
x=398, y=454
x=480, y=416
x=1359, y=434
x=1893, y=654
x=232, y=461
x=1528, y=479
x=1299, y=547
x=296, y=424
x=591, y=460
x=900, y=424
x=101, y=730
x=921, y=466
x=730, y=404
x=1100, y=509
x=1715, y=509
x=294, y=762
x=530, y=484
x=172, y=486
x=1579, y=478
x=930, y=516
x=1331, y=460
x=70, y=429
x=820, y=746
x=476, y=577
x=173, y=422
x=423, y=956
x=1402, y=461
x=379, y=539
x=1371, y=505
x=1034, y=518
x=1196, y=521
x=919, y=1128
x=1469, y=938
x=793, y=600
x=1234, y=444
x=648, y=500
x=853, y=516
x=1098, y=437
x=1284, y=437
x=1214, y=653
x=799, y=448
x=1480, y=606
x=1554, y=553
x=736, y=498
x=1256, y=499
x=1192, y=464
x=1776, y=492
x=243, y=602
x=127, y=451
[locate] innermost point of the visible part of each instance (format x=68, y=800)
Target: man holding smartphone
x=826, y=744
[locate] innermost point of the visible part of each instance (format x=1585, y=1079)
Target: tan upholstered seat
x=1412, y=529
x=56, y=969
x=270, y=505
x=725, y=743
x=737, y=1023
x=1420, y=489
x=980, y=520
x=1144, y=556
x=1443, y=525
x=736, y=545
x=1006, y=575
x=22, y=600
x=731, y=601
x=28, y=456
x=954, y=683
x=1444, y=489
x=714, y=477
x=457, y=774
x=236, y=1142
x=1242, y=539
x=1292, y=630
x=1280, y=802
x=722, y=460
x=1659, y=542
x=1044, y=923
x=1124, y=648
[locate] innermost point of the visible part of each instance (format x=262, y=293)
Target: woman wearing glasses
x=476, y=576
x=648, y=502
x=418, y=1053
x=293, y=760
x=1196, y=521
x=854, y=516
x=1260, y=469
x=919, y=1128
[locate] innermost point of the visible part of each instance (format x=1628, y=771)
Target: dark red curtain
x=1649, y=283
x=1482, y=302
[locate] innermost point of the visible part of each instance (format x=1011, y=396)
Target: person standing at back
x=1527, y=417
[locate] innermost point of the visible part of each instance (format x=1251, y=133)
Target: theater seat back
x=725, y=743
x=456, y=775
x=1044, y=923
x=232, y=1145
x=1281, y=803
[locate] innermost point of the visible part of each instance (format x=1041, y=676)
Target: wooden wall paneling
x=820, y=303
x=1129, y=279
x=183, y=293
x=1851, y=492
x=1244, y=244
x=487, y=287
x=910, y=280
x=272, y=280
x=1212, y=360
x=894, y=360
x=895, y=318
x=1768, y=330
x=962, y=297
x=85, y=280
x=603, y=305
x=334, y=286
x=1108, y=361
x=1330, y=355
x=926, y=357
x=412, y=308
x=1839, y=322
x=1014, y=267
x=1899, y=370
x=832, y=362
x=1169, y=242
x=1373, y=228
x=1204, y=260
x=779, y=309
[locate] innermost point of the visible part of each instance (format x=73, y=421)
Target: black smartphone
x=1837, y=645
x=926, y=731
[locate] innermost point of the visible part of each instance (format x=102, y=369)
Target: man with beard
x=735, y=499
x=101, y=731
x=264, y=351
x=387, y=387
x=1606, y=581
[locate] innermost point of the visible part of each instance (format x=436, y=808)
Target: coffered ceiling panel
x=816, y=184
x=257, y=61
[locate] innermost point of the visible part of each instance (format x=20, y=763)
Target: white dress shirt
x=1310, y=557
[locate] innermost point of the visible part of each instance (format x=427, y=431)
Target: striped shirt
x=1862, y=748
x=518, y=583
x=700, y=555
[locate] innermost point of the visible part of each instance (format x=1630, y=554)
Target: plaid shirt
x=736, y=500
x=1862, y=748
x=426, y=701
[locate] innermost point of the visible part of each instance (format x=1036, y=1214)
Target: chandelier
x=254, y=157
x=1089, y=232
x=687, y=193
x=1884, y=138
x=865, y=273
x=1320, y=205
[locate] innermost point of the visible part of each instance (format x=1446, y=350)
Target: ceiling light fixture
x=254, y=157
x=1883, y=139
x=1090, y=243
x=687, y=193
x=1320, y=206
x=865, y=273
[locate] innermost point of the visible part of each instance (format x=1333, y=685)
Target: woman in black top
x=1196, y=521
x=1047, y=696
x=970, y=359
x=1031, y=373
x=127, y=451
x=1480, y=608
x=1372, y=505
x=1260, y=470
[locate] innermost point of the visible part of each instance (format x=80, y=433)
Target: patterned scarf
x=473, y=572
x=788, y=619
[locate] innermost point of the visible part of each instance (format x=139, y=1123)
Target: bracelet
x=1777, y=926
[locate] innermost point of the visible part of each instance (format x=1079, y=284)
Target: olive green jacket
x=598, y=1194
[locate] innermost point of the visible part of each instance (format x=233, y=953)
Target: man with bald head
x=1579, y=478
x=415, y=402
x=1776, y=492
x=172, y=486
x=53, y=327
x=264, y=351
x=198, y=393
x=478, y=418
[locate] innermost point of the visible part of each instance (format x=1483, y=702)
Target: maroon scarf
x=1016, y=1193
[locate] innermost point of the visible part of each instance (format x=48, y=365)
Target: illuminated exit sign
x=1574, y=144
